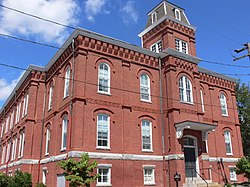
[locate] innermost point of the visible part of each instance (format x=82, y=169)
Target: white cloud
x=129, y=13
x=62, y=11
x=94, y=7
x=6, y=88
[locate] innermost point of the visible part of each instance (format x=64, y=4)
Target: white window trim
x=177, y=14
x=181, y=49
x=108, y=146
x=8, y=152
x=12, y=119
x=100, y=91
x=44, y=179
x=223, y=103
x=50, y=96
x=2, y=130
x=152, y=167
x=105, y=166
x=184, y=78
x=151, y=138
x=3, y=154
x=148, y=86
x=202, y=101
x=65, y=119
x=230, y=142
x=66, y=82
x=154, y=17
x=7, y=124
x=47, y=141
x=156, y=44
x=235, y=176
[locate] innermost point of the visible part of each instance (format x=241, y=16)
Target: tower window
x=154, y=17
x=177, y=14
x=181, y=46
x=156, y=47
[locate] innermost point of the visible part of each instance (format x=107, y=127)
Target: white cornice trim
x=218, y=159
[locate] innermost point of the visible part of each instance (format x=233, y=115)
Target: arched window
x=64, y=132
x=50, y=96
x=47, y=141
x=104, y=78
x=185, y=89
x=66, y=82
x=103, y=131
x=145, y=87
x=146, y=128
x=223, y=103
x=177, y=14
x=228, y=142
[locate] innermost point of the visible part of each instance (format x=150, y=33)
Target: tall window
x=227, y=136
x=104, y=178
x=50, y=96
x=177, y=14
x=145, y=87
x=64, y=133
x=146, y=135
x=47, y=141
x=103, y=131
x=202, y=101
x=232, y=173
x=154, y=17
x=14, y=145
x=3, y=154
x=185, y=89
x=21, y=144
x=44, y=179
x=7, y=124
x=149, y=175
x=2, y=129
x=181, y=46
x=8, y=152
x=66, y=82
x=12, y=119
x=156, y=47
x=104, y=78
x=18, y=109
x=223, y=103
x=25, y=104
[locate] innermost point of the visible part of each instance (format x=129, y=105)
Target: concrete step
x=198, y=182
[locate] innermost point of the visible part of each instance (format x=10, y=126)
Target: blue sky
x=222, y=26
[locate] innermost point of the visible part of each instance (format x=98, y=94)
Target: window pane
x=144, y=87
x=103, y=130
x=103, y=76
x=146, y=135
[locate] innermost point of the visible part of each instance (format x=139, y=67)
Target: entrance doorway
x=191, y=156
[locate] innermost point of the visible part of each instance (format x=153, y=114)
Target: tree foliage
x=243, y=167
x=20, y=179
x=78, y=173
x=243, y=102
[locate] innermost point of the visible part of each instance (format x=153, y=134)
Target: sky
x=221, y=27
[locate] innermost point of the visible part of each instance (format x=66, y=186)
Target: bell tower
x=168, y=27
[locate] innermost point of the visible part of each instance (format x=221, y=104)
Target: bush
x=40, y=185
x=20, y=179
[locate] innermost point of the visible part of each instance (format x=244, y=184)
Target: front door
x=190, y=155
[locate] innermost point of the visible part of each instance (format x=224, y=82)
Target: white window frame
x=143, y=133
x=18, y=109
x=232, y=173
x=64, y=132
x=47, y=144
x=100, y=127
x=8, y=152
x=3, y=154
x=12, y=119
x=51, y=88
x=146, y=177
x=44, y=179
x=181, y=46
x=156, y=47
x=102, y=167
x=25, y=104
x=66, y=82
x=103, y=75
x=177, y=14
x=146, y=87
x=228, y=141
x=14, y=146
x=2, y=129
x=7, y=124
x=153, y=17
x=223, y=103
x=184, y=82
x=202, y=101
x=21, y=144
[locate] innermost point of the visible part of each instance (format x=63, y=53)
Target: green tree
x=243, y=167
x=20, y=179
x=4, y=179
x=243, y=102
x=78, y=173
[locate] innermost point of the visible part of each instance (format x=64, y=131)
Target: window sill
x=233, y=180
x=104, y=93
x=225, y=115
x=103, y=148
x=63, y=149
x=146, y=101
x=229, y=154
x=103, y=184
x=47, y=154
x=149, y=184
x=147, y=151
x=65, y=97
x=185, y=102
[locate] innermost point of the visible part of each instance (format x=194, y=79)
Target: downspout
x=162, y=123
x=41, y=143
x=72, y=90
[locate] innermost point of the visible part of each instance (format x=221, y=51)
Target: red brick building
x=143, y=115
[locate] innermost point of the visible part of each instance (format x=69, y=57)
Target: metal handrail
x=214, y=171
x=192, y=169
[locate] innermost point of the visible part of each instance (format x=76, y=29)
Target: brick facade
x=171, y=121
